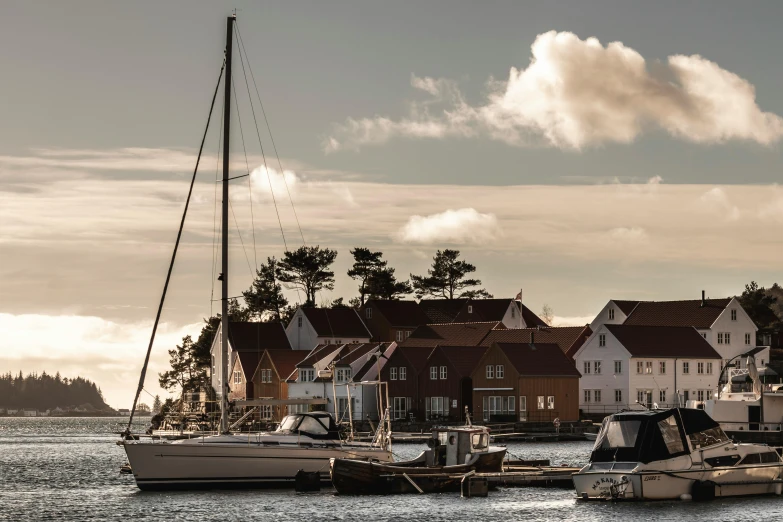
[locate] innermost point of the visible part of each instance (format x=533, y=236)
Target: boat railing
x=744, y=425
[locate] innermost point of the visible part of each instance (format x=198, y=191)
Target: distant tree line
x=44, y=392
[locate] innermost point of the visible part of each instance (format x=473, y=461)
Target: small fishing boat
x=677, y=453
x=591, y=436
x=453, y=452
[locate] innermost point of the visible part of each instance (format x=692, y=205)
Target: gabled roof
x=441, y=310
x=539, y=359
x=463, y=358
x=415, y=355
x=368, y=370
x=336, y=322
x=693, y=313
x=531, y=319
x=566, y=337
x=663, y=341
x=318, y=353
x=401, y=314
x=353, y=352
x=257, y=337
x=451, y=334
x=284, y=361
x=483, y=310
x=249, y=363
x=626, y=307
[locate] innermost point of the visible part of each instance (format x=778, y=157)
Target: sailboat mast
x=224, y=230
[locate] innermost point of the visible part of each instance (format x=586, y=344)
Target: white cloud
x=717, y=200
x=462, y=226
x=579, y=93
x=655, y=180
x=106, y=352
x=629, y=235
x=267, y=181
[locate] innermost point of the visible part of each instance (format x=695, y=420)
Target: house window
x=470, y=309
x=400, y=407
x=588, y=396
x=511, y=403
x=639, y=367
x=685, y=395
x=618, y=367
x=686, y=368
x=587, y=368
x=513, y=311
x=490, y=371
x=727, y=337
x=368, y=313
x=338, y=341
x=747, y=343
x=266, y=375
x=213, y=363
x=522, y=408
x=342, y=408
x=700, y=395
x=618, y=396
x=648, y=367
x=662, y=396
x=541, y=402
x=601, y=339
x=709, y=368
x=443, y=373
x=392, y=374
x=644, y=397
x=733, y=315
x=611, y=315
x=700, y=368
x=704, y=334
x=343, y=374
x=307, y=375
x=265, y=411
x=550, y=401
x=299, y=321
x=499, y=371
x=400, y=336
x=662, y=367
x=433, y=373
x=438, y=406
x=237, y=377
x=597, y=367
x=403, y=373
x=407, y=333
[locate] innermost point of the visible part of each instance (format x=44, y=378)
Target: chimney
x=702, y=299
x=533, y=337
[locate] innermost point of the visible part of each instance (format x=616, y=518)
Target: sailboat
x=302, y=442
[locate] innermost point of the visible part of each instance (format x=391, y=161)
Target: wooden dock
x=531, y=477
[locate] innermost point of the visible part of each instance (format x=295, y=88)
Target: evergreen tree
x=307, y=268
x=265, y=300
x=759, y=304
x=383, y=284
x=156, y=404
x=365, y=265
x=186, y=373
x=446, y=279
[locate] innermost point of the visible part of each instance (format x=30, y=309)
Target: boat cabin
x=455, y=445
x=654, y=435
x=317, y=425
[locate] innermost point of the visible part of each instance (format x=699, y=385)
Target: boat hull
x=354, y=477
x=167, y=466
x=679, y=484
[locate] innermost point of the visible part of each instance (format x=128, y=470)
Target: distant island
x=41, y=395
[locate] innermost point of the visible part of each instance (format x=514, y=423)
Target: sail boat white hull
x=235, y=461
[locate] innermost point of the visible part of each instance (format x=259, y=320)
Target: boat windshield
x=289, y=422
x=618, y=434
x=708, y=437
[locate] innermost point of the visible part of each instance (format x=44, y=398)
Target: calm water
x=67, y=469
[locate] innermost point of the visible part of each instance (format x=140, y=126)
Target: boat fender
x=433, y=443
x=304, y=481
x=702, y=490
x=686, y=496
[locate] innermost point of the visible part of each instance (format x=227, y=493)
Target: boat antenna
x=224, y=319
x=143, y=375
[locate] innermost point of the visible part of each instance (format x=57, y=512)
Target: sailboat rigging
x=303, y=441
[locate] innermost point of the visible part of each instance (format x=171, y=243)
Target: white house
x=310, y=327
x=623, y=364
x=616, y=311
x=722, y=322
x=244, y=336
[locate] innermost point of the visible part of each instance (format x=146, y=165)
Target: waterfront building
x=451, y=334
x=271, y=378
x=310, y=327
x=568, y=338
x=628, y=366
x=534, y=382
x=401, y=371
x=392, y=321
x=445, y=384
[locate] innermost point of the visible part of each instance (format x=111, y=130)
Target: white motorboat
x=678, y=453
x=305, y=441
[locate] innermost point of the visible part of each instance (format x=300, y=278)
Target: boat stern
x=607, y=481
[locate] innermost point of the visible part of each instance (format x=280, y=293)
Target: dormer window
x=299, y=321
x=611, y=313
x=470, y=309
x=368, y=313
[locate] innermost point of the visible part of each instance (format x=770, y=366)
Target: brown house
x=269, y=379
x=526, y=382
x=401, y=371
x=568, y=338
x=392, y=321
x=241, y=377
x=445, y=384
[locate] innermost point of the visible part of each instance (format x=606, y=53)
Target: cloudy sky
x=580, y=151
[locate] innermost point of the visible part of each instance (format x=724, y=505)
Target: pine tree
x=446, y=279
